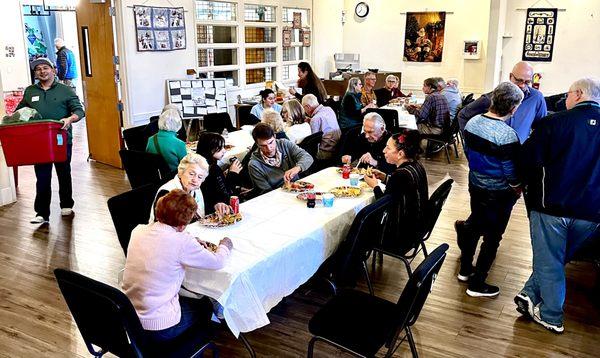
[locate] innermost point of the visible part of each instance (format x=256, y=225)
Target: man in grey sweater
x=276, y=160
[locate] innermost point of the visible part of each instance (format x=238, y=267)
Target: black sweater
x=218, y=188
x=408, y=188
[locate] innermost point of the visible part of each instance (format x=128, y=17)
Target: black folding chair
x=448, y=137
x=347, y=138
x=434, y=208
x=130, y=209
x=144, y=168
x=311, y=145
x=361, y=324
x=390, y=116
x=216, y=122
x=345, y=265
x=108, y=322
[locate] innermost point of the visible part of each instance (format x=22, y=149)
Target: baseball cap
x=41, y=61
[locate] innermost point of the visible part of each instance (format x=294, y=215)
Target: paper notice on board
x=220, y=97
x=211, y=109
x=174, y=84
x=221, y=110
x=229, y=82
x=186, y=91
x=221, y=104
x=196, y=84
x=210, y=91
x=201, y=111
x=188, y=103
x=176, y=98
x=220, y=84
x=220, y=90
x=210, y=102
x=188, y=110
x=207, y=84
x=186, y=84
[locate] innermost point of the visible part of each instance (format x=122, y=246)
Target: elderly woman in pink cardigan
x=157, y=256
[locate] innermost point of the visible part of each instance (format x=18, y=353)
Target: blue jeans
x=194, y=312
x=554, y=240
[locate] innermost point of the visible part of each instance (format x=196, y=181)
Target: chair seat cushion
x=357, y=321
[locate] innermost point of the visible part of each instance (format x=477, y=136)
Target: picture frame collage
x=159, y=28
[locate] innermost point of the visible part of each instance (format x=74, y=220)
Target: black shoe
x=524, y=305
x=465, y=273
x=482, y=290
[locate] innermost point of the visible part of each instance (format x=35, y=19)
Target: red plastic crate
x=34, y=142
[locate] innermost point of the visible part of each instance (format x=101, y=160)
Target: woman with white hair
x=274, y=120
x=352, y=110
x=191, y=172
x=165, y=142
x=389, y=91
x=296, y=126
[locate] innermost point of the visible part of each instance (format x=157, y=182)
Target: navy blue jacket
x=65, y=64
x=561, y=163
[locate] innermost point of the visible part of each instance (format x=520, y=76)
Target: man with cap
x=52, y=100
x=65, y=63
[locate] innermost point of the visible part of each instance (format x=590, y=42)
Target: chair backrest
x=333, y=104
x=390, y=116
x=216, y=122
x=136, y=138
x=364, y=234
x=419, y=285
x=311, y=143
x=104, y=315
x=130, y=209
x=467, y=99
x=245, y=117
x=347, y=138
x=435, y=205
x=144, y=168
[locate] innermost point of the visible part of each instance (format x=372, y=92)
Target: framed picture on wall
x=159, y=28
x=471, y=49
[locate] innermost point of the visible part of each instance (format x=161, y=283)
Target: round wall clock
x=361, y=9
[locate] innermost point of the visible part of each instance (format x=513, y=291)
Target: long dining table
x=278, y=245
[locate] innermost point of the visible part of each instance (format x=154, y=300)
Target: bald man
x=527, y=115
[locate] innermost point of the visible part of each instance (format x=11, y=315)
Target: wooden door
x=96, y=47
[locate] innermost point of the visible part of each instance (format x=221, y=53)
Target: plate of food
x=304, y=196
x=209, y=245
x=228, y=146
x=213, y=220
x=298, y=186
x=346, y=191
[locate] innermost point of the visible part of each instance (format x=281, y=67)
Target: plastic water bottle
x=225, y=133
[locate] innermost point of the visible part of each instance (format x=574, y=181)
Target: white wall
x=144, y=73
x=14, y=70
x=379, y=39
x=327, y=35
x=576, y=48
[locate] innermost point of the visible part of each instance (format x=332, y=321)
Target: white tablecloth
x=405, y=119
x=278, y=246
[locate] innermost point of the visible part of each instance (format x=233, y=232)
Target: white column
x=8, y=194
x=495, y=44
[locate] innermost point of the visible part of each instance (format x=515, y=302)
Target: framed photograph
x=287, y=37
x=297, y=20
x=305, y=34
x=472, y=49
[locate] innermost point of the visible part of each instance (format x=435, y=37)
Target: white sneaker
x=537, y=318
x=38, y=220
x=66, y=211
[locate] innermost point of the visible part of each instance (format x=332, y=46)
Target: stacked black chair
x=434, y=208
x=361, y=324
x=130, y=209
x=108, y=322
x=346, y=264
x=144, y=168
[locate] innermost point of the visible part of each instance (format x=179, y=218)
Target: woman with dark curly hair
x=217, y=187
x=408, y=188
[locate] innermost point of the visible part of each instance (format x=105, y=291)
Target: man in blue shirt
x=66, y=70
x=529, y=113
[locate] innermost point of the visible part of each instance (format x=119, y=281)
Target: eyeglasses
x=520, y=81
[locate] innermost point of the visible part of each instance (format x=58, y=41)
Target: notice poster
x=540, y=31
x=198, y=97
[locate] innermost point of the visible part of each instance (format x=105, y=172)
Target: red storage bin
x=34, y=142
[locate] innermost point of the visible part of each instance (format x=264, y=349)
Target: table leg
x=248, y=345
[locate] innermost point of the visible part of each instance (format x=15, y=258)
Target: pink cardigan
x=155, y=268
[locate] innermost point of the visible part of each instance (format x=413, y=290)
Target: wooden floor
x=34, y=320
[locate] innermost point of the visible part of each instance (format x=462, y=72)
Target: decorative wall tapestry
x=540, y=29
x=424, y=36
x=287, y=36
x=159, y=28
